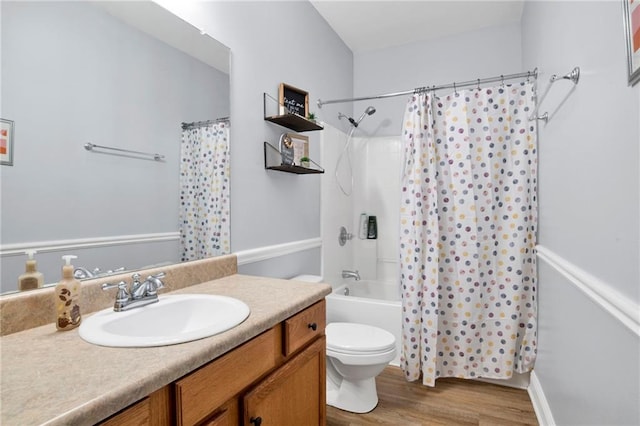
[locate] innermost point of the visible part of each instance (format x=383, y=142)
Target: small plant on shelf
x=311, y=116
x=305, y=162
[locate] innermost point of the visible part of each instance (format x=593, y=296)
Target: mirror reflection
x=126, y=75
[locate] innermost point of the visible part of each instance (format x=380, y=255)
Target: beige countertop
x=56, y=378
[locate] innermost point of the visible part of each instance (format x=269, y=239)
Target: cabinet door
x=199, y=394
x=153, y=410
x=293, y=395
x=227, y=415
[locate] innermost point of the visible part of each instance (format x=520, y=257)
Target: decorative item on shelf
x=286, y=149
x=305, y=162
x=311, y=117
x=300, y=147
x=293, y=100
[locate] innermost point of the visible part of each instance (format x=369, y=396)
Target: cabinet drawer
x=137, y=414
x=304, y=327
x=202, y=392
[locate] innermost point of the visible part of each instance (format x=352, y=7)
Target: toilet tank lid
x=308, y=278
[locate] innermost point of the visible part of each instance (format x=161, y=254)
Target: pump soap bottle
x=31, y=279
x=68, y=298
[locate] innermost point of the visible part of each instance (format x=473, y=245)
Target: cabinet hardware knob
x=256, y=420
x=313, y=326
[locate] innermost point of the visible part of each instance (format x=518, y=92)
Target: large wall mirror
x=114, y=74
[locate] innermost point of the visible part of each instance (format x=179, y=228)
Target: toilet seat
x=358, y=339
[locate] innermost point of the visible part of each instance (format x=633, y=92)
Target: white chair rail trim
x=618, y=305
x=269, y=252
x=58, y=245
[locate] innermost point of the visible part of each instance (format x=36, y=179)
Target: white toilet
x=356, y=354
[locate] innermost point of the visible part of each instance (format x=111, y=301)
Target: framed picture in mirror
x=632, y=35
x=6, y=142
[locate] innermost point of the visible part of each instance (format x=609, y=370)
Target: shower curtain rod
x=203, y=123
x=453, y=85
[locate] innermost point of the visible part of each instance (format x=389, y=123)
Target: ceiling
x=366, y=25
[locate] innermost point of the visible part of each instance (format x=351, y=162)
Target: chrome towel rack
x=573, y=76
x=90, y=147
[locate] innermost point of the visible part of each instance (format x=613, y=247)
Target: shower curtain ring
x=502, y=80
x=478, y=84
x=454, y=89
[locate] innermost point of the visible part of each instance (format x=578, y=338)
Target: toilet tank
x=308, y=278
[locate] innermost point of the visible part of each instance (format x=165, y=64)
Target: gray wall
x=73, y=74
x=474, y=54
x=588, y=361
x=273, y=42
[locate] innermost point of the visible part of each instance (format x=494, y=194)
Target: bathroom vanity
x=278, y=377
x=270, y=369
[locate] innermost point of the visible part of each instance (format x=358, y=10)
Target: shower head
x=369, y=111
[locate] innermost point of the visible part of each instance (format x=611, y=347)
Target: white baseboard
x=269, y=252
x=539, y=401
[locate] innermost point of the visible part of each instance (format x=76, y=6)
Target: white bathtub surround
x=468, y=220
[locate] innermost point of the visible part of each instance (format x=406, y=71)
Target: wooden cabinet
x=199, y=394
x=292, y=395
x=274, y=379
x=277, y=378
x=152, y=410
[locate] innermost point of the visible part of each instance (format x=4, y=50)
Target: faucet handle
x=154, y=283
x=122, y=295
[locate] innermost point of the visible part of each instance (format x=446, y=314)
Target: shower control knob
x=256, y=421
x=313, y=326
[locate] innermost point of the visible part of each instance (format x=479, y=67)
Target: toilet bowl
x=356, y=354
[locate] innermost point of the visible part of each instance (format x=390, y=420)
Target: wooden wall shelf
x=292, y=121
x=273, y=161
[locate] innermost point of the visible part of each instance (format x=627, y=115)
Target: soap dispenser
x=31, y=279
x=67, y=298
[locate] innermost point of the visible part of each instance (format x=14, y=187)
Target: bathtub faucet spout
x=351, y=274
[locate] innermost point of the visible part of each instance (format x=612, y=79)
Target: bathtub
x=368, y=302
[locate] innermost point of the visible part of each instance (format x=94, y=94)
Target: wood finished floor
x=450, y=402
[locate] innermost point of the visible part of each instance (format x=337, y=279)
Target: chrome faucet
x=141, y=293
x=81, y=273
x=351, y=274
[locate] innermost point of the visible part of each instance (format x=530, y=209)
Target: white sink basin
x=174, y=319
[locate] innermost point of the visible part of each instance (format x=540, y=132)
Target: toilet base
x=356, y=396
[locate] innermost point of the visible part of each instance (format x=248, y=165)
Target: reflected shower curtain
x=204, y=191
x=468, y=234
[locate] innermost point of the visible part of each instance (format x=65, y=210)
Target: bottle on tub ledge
x=372, y=228
x=67, y=295
x=362, y=229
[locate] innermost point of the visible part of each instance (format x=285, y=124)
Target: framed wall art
x=293, y=100
x=632, y=34
x=6, y=142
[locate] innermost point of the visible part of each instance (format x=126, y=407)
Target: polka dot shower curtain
x=204, y=191
x=468, y=234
